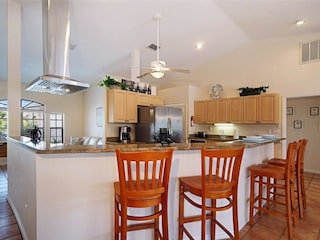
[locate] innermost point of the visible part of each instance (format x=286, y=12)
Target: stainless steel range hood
x=56, y=49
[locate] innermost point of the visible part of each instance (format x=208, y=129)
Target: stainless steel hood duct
x=56, y=49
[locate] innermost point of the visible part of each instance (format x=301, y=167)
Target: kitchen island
x=66, y=192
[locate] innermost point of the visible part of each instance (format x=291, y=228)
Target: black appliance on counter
x=124, y=134
x=159, y=124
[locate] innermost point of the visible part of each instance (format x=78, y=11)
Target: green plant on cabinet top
x=110, y=82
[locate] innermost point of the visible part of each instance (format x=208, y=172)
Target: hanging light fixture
x=157, y=74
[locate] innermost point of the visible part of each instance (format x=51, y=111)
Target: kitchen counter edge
x=41, y=148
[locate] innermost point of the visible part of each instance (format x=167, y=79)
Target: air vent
x=153, y=46
x=310, y=52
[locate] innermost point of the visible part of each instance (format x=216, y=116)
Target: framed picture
x=297, y=124
x=290, y=111
x=314, y=111
x=99, y=116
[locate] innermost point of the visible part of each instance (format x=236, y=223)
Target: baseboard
x=311, y=171
x=16, y=214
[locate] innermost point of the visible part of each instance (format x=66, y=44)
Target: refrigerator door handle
x=169, y=126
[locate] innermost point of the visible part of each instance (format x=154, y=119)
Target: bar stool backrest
x=301, y=152
x=143, y=174
x=220, y=168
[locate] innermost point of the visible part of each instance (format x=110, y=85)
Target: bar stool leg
x=181, y=212
x=213, y=220
x=156, y=224
x=252, y=178
x=235, y=214
x=303, y=190
x=165, y=224
x=289, y=210
x=300, y=196
x=116, y=222
x=260, y=194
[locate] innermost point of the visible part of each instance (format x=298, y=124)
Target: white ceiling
x=105, y=32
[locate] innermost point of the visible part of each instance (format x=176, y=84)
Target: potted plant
x=110, y=82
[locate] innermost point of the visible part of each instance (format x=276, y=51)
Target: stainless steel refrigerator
x=159, y=124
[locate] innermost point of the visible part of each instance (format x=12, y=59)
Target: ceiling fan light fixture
x=300, y=22
x=157, y=74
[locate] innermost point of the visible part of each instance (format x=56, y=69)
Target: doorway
x=303, y=121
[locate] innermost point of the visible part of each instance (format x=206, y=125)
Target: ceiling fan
x=158, y=67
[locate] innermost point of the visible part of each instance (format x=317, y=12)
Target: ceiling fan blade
x=143, y=74
x=176, y=70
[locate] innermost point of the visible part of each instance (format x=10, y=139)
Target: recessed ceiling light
x=300, y=22
x=199, y=45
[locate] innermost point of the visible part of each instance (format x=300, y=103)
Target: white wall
x=273, y=62
x=72, y=106
x=94, y=97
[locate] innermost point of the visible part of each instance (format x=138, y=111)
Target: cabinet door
x=144, y=99
x=199, y=111
x=156, y=100
x=269, y=108
x=122, y=106
x=211, y=111
x=236, y=110
x=131, y=107
x=119, y=102
x=223, y=110
x=250, y=109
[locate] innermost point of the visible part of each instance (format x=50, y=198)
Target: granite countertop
x=42, y=148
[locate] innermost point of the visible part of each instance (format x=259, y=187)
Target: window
x=56, y=128
x=3, y=125
x=32, y=114
x=30, y=120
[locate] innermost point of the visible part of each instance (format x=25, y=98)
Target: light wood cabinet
x=269, y=109
x=251, y=109
x=236, y=110
x=264, y=109
x=149, y=100
x=156, y=100
x=223, y=110
x=200, y=111
x=122, y=106
x=211, y=111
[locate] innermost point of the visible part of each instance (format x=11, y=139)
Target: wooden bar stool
x=143, y=184
x=218, y=184
x=262, y=175
x=299, y=172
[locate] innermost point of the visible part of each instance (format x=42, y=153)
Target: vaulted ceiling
x=104, y=33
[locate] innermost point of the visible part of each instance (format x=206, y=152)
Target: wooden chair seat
x=218, y=181
x=143, y=185
x=274, y=178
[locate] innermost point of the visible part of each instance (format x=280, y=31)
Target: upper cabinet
x=122, y=106
x=149, y=100
x=236, y=109
x=200, y=110
x=251, y=109
x=264, y=108
x=270, y=108
x=211, y=111
x=223, y=110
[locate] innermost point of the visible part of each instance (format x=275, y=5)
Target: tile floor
x=270, y=227
x=267, y=227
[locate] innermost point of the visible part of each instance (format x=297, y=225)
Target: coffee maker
x=124, y=134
